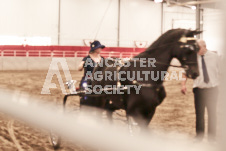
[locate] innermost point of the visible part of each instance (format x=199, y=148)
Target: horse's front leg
x=139, y=123
x=141, y=109
x=109, y=114
x=131, y=125
x=109, y=107
x=135, y=116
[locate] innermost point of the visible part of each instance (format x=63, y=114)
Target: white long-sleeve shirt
x=212, y=64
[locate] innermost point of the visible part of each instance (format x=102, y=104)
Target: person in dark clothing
x=88, y=63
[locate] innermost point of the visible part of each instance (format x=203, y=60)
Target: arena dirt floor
x=176, y=113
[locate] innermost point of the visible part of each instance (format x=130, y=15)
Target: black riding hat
x=94, y=45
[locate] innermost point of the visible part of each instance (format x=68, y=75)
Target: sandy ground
x=176, y=113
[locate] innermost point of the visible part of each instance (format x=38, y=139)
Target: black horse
x=175, y=43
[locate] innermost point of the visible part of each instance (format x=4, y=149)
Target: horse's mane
x=171, y=36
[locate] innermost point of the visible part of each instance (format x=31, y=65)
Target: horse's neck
x=162, y=59
x=162, y=63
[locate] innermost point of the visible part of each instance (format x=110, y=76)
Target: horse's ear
x=192, y=33
x=197, y=32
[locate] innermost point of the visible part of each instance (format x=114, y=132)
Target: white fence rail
x=59, y=53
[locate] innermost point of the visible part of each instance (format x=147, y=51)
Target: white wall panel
x=29, y=18
x=98, y=19
x=212, y=29
x=86, y=19
x=89, y=19
x=178, y=17
x=140, y=21
x=12, y=17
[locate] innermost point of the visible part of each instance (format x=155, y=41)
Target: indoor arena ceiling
x=203, y=3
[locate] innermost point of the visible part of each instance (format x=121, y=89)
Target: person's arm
x=80, y=67
x=183, y=84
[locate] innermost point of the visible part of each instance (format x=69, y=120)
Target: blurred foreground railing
x=88, y=130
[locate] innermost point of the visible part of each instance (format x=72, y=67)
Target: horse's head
x=186, y=52
x=180, y=44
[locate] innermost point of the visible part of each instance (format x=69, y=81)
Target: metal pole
x=201, y=22
x=119, y=7
x=58, y=34
x=161, y=18
x=198, y=19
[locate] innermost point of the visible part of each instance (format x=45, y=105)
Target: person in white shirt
x=205, y=89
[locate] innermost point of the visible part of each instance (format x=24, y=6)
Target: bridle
x=191, y=47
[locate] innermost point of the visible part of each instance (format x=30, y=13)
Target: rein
x=161, y=63
x=181, y=66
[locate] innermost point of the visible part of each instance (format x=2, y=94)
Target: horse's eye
x=189, y=51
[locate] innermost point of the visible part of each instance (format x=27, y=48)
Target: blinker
x=185, y=39
x=192, y=47
x=185, y=43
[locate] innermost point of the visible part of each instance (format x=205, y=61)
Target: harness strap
x=161, y=63
x=184, y=66
x=149, y=85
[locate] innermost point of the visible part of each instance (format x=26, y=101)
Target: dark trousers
x=205, y=98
